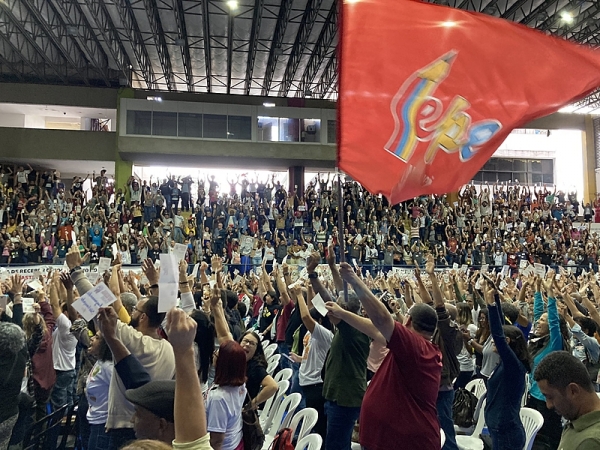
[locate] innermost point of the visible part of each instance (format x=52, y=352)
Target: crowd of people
x=252, y=219
x=387, y=356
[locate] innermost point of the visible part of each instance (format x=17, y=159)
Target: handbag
x=252, y=433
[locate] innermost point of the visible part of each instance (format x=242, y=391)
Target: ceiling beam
x=11, y=52
x=185, y=48
x=34, y=42
x=306, y=25
x=134, y=34
x=275, y=51
x=84, y=38
x=328, y=78
x=256, y=20
x=56, y=32
x=206, y=37
x=229, y=49
x=320, y=50
x=9, y=60
x=160, y=42
x=106, y=28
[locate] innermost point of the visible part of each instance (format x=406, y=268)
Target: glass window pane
x=504, y=176
x=268, y=129
x=547, y=166
x=190, y=125
x=490, y=177
x=164, y=123
x=536, y=166
x=492, y=164
x=331, y=132
x=478, y=178
x=214, y=126
x=548, y=178
x=139, y=122
x=536, y=177
x=239, y=127
x=505, y=164
x=310, y=130
x=519, y=165
x=289, y=130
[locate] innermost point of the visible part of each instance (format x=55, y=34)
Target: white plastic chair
x=283, y=416
x=284, y=374
x=473, y=442
x=273, y=362
x=442, y=437
x=310, y=442
x=477, y=387
x=309, y=417
x=273, y=402
x=270, y=350
x=532, y=422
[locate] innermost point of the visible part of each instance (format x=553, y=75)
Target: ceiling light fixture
x=269, y=105
x=152, y=98
x=566, y=16
x=233, y=4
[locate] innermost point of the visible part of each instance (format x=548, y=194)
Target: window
x=268, y=129
x=214, y=126
x=139, y=122
x=164, y=123
x=239, y=127
x=289, y=130
x=310, y=130
x=526, y=171
x=331, y=132
x=190, y=125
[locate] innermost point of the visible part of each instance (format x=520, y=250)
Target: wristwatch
x=313, y=275
x=74, y=269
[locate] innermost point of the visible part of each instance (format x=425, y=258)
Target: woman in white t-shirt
x=225, y=399
x=317, y=342
x=96, y=391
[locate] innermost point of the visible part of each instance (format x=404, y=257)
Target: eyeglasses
x=248, y=342
x=135, y=308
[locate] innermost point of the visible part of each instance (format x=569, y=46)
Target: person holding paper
x=345, y=379
x=142, y=339
x=317, y=342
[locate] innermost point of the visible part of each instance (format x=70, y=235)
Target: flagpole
x=340, y=225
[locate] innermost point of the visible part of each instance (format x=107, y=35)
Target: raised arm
x=189, y=412
x=438, y=298
x=362, y=324
x=376, y=310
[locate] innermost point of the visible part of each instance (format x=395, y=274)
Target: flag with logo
x=428, y=93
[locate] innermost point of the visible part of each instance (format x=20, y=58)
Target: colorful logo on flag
x=422, y=121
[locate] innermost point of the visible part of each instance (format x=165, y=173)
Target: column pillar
x=589, y=159
x=123, y=169
x=296, y=177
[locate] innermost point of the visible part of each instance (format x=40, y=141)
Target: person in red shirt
x=399, y=407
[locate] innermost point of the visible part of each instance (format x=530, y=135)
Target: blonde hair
x=29, y=324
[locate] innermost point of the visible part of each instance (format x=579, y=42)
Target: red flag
x=428, y=93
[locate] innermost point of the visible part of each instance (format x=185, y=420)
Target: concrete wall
x=12, y=120
x=29, y=143
x=40, y=94
x=224, y=153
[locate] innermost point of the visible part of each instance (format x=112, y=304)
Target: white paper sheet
x=319, y=305
x=88, y=304
x=167, y=282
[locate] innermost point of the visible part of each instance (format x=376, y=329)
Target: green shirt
x=345, y=379
x=582, y=433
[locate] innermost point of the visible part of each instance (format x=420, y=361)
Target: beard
x=134, y=323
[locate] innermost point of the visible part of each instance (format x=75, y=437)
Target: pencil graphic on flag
x=415, y=91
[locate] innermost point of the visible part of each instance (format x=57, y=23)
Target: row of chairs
x=279, y=411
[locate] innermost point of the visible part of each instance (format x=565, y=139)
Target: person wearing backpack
x=506, y=385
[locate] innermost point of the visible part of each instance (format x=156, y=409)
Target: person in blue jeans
x=449, y=339
x=345, y=371
x=506, y=386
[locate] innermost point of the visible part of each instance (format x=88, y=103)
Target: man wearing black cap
x=399, y=407
x=154, y=403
